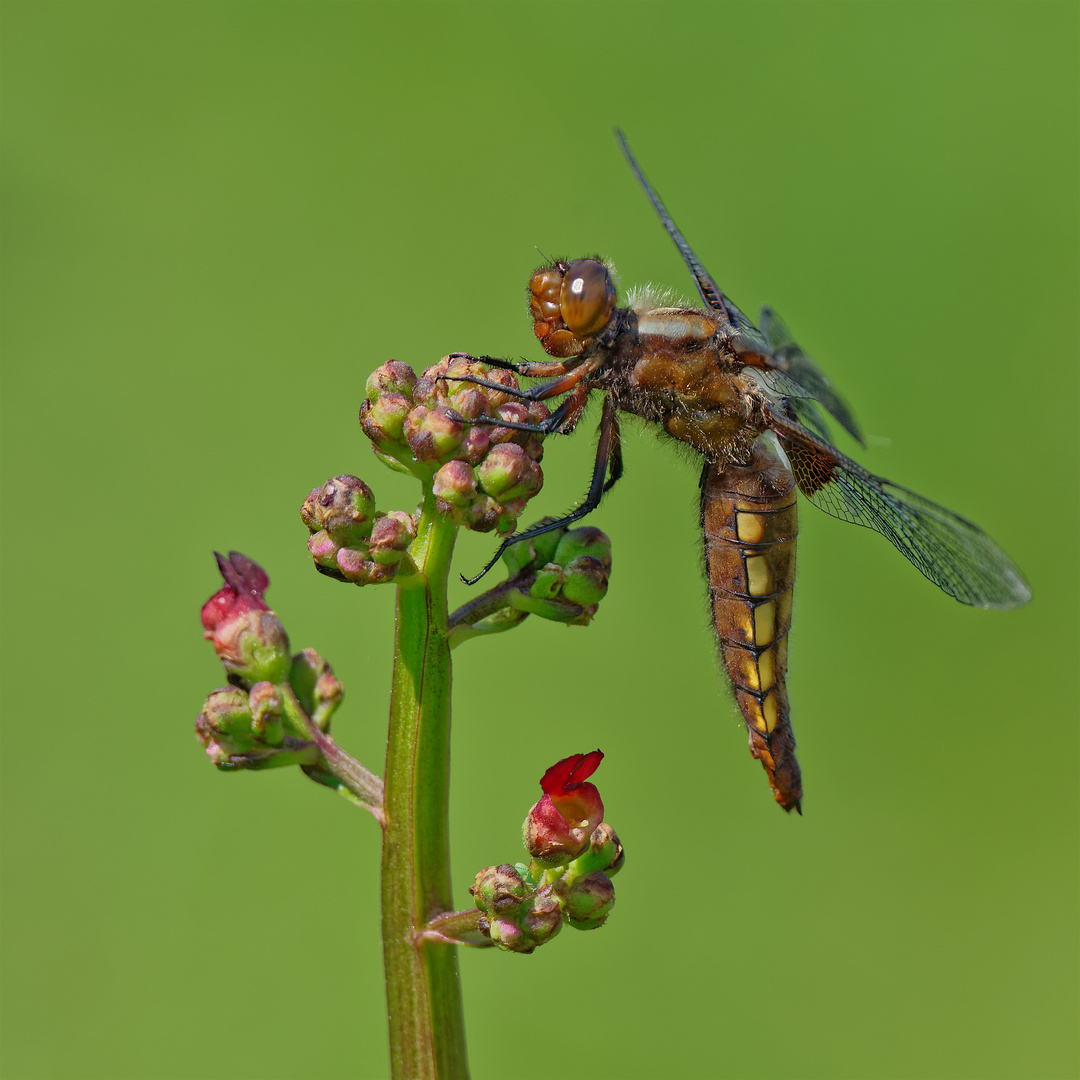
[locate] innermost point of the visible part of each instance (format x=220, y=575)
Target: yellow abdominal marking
x=766, y=671
x=749, y=527
x=768, y=708
x=764, y=623
x=758, y=576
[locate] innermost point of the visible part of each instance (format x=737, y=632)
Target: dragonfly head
x=569, y=303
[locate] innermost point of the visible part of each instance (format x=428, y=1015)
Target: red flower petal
x=569, y=773
x=245, y=583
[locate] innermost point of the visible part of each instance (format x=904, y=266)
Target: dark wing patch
x=796, y=376
x=955, y=554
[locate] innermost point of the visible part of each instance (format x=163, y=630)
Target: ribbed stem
x=427, y=1030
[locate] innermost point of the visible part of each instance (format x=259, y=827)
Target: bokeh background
x=218, y=218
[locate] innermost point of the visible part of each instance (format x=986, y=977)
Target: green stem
x=427, y=1030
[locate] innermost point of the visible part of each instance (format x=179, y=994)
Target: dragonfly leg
x=609, y=436
x=615, y=460
x=531, y=369
x=564, y=381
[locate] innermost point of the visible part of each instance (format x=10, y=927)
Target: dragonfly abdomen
x=749, y=526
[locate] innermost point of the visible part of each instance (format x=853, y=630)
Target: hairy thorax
x=674, y=369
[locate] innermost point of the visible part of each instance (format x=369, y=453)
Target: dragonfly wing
x=710, y=292
x=955, y=554
x=795, y=375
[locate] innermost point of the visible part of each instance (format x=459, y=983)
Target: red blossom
x=560, y=824
x=245, y=586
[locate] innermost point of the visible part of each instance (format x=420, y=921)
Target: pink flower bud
x=248, y=637
x=395, y=376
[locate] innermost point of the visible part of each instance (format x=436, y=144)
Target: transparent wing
x=788, y=370
x=796, y=376
x=709, y=290
x=955, y=554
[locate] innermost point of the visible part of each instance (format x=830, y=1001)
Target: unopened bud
x=587, y=900
x=264, y=700
x=224, y=724
x=514, y=916
x=455, y=484
x=343, y=507
x=235, y=739
x=586, y=581
x=542, y=918
x=395, y=376
x=316, y=687
x=433, y=434
x=509, y=473
x=585, y=540
x=605, y=852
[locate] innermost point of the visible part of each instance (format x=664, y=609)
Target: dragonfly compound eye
x=587, y=297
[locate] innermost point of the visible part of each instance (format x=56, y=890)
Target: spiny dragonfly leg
x=531, y=369
x=561, y=422
x=608, y=445
x=566, y=379
x=615, y=462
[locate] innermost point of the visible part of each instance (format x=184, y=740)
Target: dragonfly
x=754, y=405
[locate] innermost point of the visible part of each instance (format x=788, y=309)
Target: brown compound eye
x=587, y=297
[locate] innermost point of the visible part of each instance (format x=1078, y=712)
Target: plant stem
x=427, y=1030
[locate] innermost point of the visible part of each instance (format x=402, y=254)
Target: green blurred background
x=218, y=218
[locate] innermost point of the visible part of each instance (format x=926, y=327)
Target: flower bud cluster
x=350, y=540
x=251, y=729
x=560, y=575
x=560, y=568
x=575, y=854
x=262, y=719
x=483, y=474
x=515, y=913
x=584, y=889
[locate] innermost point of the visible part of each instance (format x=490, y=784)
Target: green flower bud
x=264, y=700
x=547, y=583
x=605, y=852
x=315, y=686
x=588, y=900
x=253, y=647
x=536, y=552
x=395, y=376
x=391, y=536
x=509, y=473
x=234, y=739
x=455, y=485
x=543, y=917
x=586, y=540
x=467, y=401
x=585, y=582
x=499, y=889
x=224, y=726
x=344, y=507
x=328, y=695
x=383, y=419
x=433, y=434
x=514, y=916
x=357, y=567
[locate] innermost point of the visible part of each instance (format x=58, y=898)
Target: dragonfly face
x=751, y=402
